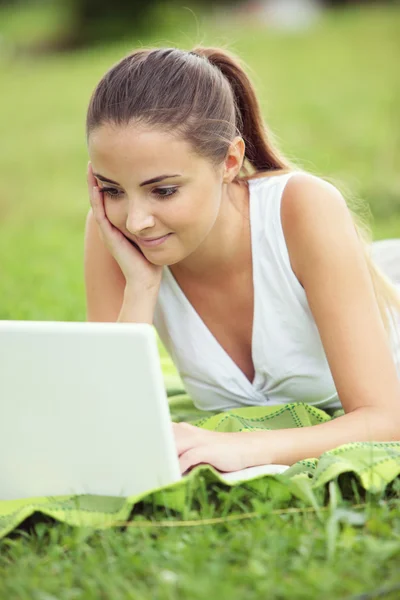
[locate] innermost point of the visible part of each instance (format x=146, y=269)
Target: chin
x=172, y=262
x=161, y=262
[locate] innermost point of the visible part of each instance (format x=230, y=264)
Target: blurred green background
x=329, y=85
x=329, y=89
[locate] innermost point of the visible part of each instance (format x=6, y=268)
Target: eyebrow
x=154, y=180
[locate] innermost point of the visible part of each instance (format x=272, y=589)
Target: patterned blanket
x=359, y=468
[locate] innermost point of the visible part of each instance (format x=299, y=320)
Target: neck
x=222, y=254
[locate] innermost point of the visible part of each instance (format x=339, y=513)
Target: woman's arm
x=327, y=258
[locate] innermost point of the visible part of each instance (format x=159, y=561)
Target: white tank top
x=289, y=359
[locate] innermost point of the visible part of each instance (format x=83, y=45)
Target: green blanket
x=359, y=468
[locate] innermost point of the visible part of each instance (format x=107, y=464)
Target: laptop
x=84, y=410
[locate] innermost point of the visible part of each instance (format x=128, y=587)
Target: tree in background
x=78, y=23
x=97, y=20
x=88, y=22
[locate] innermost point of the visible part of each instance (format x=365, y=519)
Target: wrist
x=140, y=298
x=137, y=307
x=263, y=447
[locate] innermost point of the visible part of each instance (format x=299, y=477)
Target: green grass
x=339, y=553
x=271, y=556
x=331, y=98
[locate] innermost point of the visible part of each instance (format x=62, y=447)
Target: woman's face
x=185, y=202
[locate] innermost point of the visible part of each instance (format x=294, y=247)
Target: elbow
x=380, y=424
x=386, y=423
x=396, y=424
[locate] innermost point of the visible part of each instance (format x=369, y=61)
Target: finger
x=91, y=183
x=89, y=175
x=187, y=436
x=182, y=442
x=96, y=201
x=100, y=214
x=101, y=211
x=192, y=457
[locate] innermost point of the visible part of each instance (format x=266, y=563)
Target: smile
x=148, y=243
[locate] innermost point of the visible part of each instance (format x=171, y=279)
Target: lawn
x=331, y=98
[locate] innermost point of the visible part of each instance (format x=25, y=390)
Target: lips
x=150, y=242
x=152, y=239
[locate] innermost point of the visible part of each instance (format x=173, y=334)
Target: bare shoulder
x=311, y=208
x=309, y=195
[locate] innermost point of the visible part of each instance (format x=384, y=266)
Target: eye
x=111, y=192
x=159, y=192
x=171, y=191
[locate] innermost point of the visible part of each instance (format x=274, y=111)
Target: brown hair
x=206, y=98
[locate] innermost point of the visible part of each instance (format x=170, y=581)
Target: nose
x=138, y=219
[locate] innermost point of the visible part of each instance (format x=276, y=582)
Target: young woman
x=255, y=275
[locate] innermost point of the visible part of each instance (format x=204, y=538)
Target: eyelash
x=107, y=192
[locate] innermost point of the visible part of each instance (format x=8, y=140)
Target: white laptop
x=83, y=410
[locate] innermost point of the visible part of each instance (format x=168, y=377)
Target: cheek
x=196, y=219
x=114, y=213
x=178, y=216
x=207, y=208
x=197, y=209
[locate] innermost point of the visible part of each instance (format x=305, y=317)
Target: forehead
x=118, y=148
